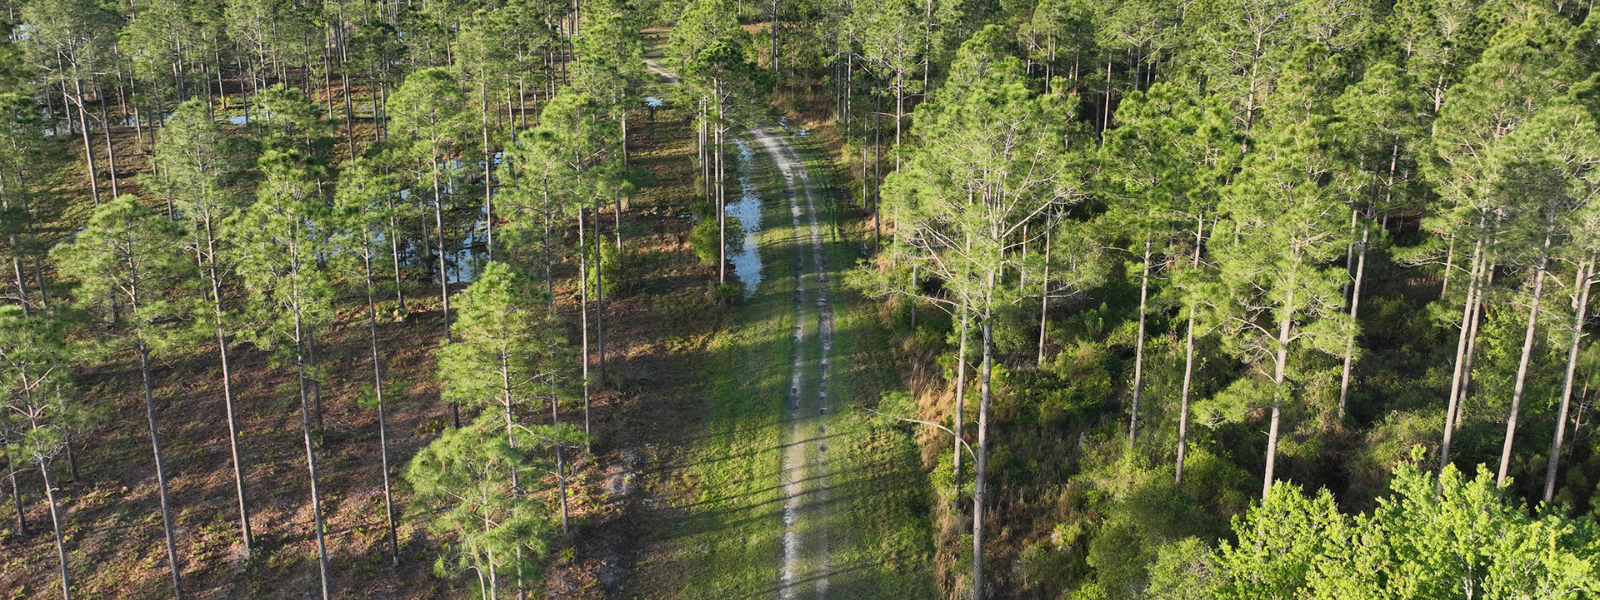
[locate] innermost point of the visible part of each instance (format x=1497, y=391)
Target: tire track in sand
x=805, y=478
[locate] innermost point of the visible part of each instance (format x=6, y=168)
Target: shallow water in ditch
x=747, y=259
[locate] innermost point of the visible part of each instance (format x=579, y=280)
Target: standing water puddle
x=747, y=260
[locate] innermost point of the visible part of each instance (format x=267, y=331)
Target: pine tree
x=363, y=203
x=202, y=173
x=39, y=407
x=1164, y=165
x=70, y=43
x=463, y=480
x=22, y=166
x=1274, y=294
x=125, y=262
x=280, y=239
x=429, y=119
x=1377, y=128
x=1516, y=76
x=992, y=158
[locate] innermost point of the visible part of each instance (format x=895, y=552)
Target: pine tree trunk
x=960, y=412
x=55, y=521
x=383, y=433
x=1478, y=317
x=111, y=157
x=1280, y=370
x=1355, y=307
x=599, y=326
x=16, y=491
x=488, y=163
x=444, y=279
x=394, y=255
x=1044, y=298
x=161, y=474
x=1138, y=346
x=1461, y=351
x=1581, y=311
x=721, y=203
x=1522, y=365
x=88, y=151
x=1188, y=361
x=1183, y=403
x=583, y=312
x=214, y=278
x=561, y=469
x=980, y=478
x=311, y=457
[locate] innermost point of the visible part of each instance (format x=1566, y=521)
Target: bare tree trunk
x=1461, y=350
x=55, y=521
x=561, y=469
x=383, y=434
x=583, y=312
x=227, y=384
x=1472, y=341
x=1355, y=307
x=1188, y=364
x=1280, y=369
x=1581, y=310
x=111, y=157
x=311, y=461
x=394, y=254
x=982, y=457
x=960, y=413
x=88, y=151
x=599, y=325
x=444, y=278
x=1522, y=365
x=1138, y=345
x=161, y=474
x=1044, y=298
x=488, y=163
x=16, y=492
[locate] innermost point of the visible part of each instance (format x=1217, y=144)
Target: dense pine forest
x=673, y=299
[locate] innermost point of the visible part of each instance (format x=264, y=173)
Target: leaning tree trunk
x=1478, y=317
x=161, y=474
x=1522, y=365
x=88, y=149
x=55, y=521
x=1138, y=345
x=1582, y=284
x=111, y=156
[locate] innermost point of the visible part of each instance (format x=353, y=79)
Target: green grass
x=726, y=539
